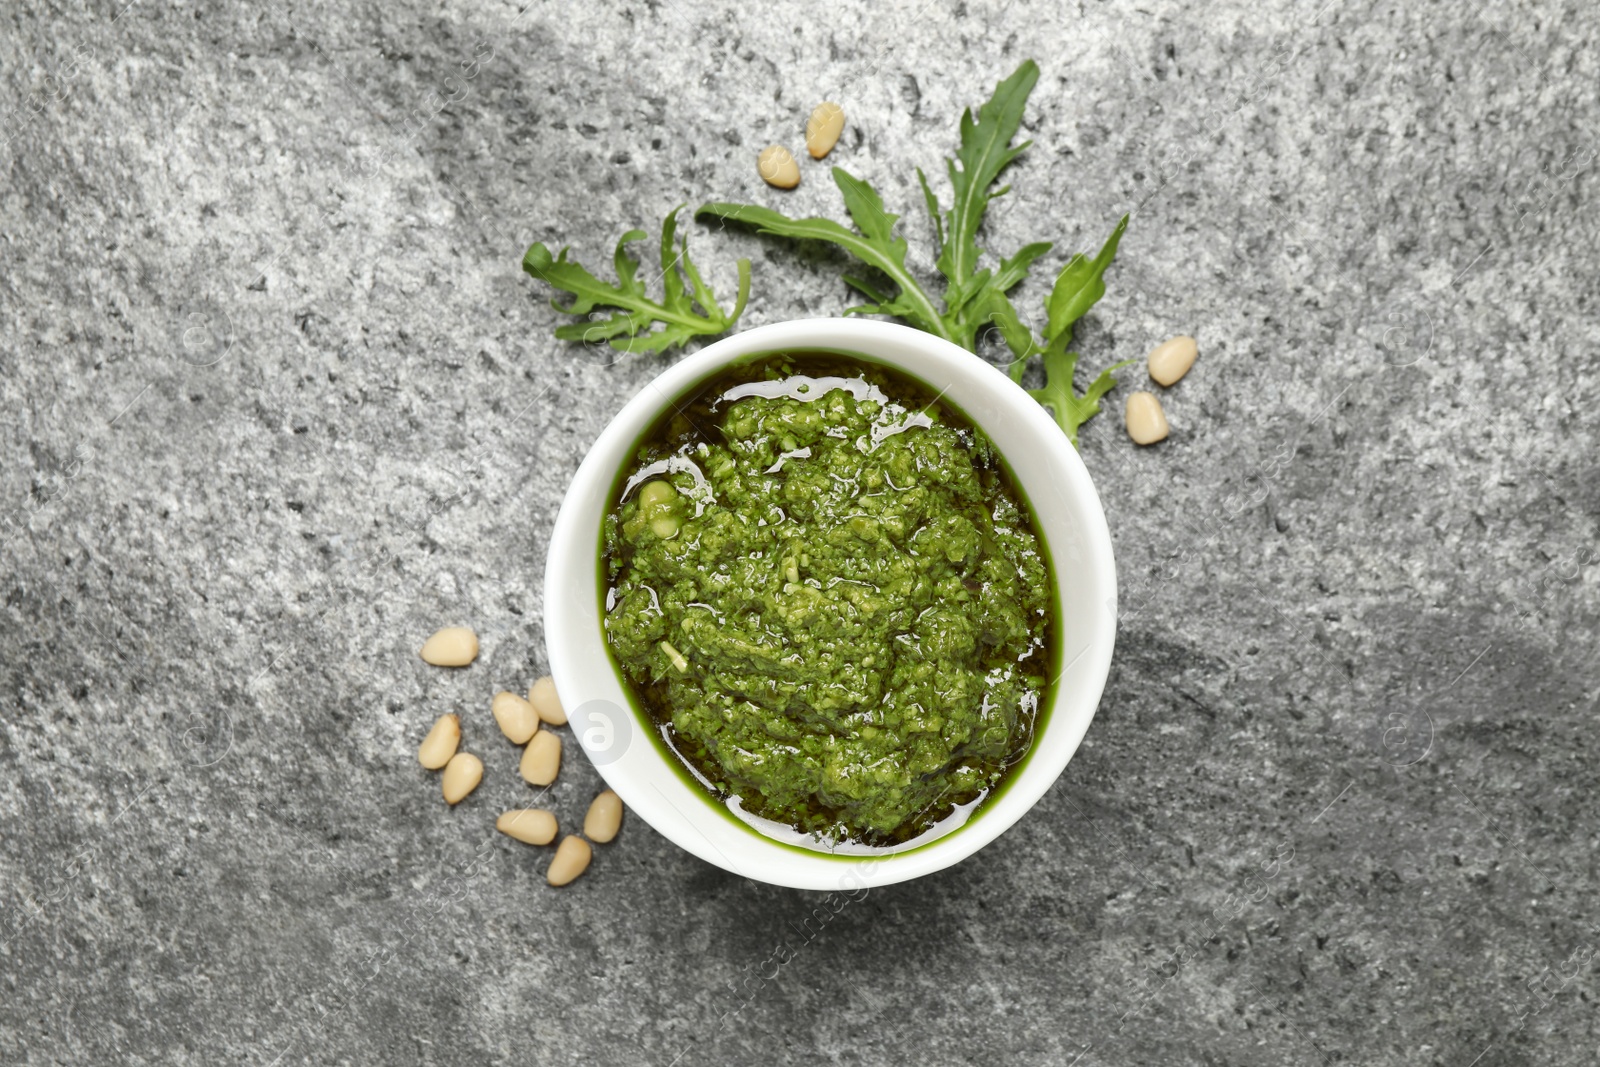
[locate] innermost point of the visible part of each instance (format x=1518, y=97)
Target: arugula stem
x=909, y=287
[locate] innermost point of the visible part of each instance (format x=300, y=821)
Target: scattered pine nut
x=823, y=129
x=441, y=742
x=571, y=859
x=547, y=702
x=604, y=818
x=778, y=167
x=454, y=646
x=1145, y=420
x=1171, y=360
x=531, y=826
x=515, y=716
x=461, y=776
x=541, y=760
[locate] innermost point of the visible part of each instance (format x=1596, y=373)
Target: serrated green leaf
x=876, y=245
x=1078, y=287
x=1002, y=314
x=569, y=276
x=699, y=291
x=1013, y=270
x=626, y=266
x=671, y=281
x=628, y=329
x=670, y=335
x=957, y=297
x=1070, y=409
x=593, y=331
x=974, y=297
x=866, y=209
x=985, y=151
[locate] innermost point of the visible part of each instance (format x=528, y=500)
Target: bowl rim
x=582, y=665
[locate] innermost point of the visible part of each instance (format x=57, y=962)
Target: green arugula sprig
x=973, y=296
x=1078, y=287
x=630, y=327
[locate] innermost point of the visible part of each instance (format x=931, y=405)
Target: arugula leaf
x=1071, y=410
x=1079, y=286
x=1015, y=269
x=1001, y=314
x=985, y=151
x=634, y=313
x=974, y=297
x=875, y=245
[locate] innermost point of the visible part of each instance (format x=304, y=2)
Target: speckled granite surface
x=278, y=401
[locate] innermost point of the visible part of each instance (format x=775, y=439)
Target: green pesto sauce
x=825, y=591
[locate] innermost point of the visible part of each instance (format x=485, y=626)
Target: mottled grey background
x=278, y=401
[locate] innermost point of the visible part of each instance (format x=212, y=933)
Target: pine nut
x=531, y=826
x=656, y=494
x=1145, y=420
x=515, y=716
x=541, y=760
x=441, y=742
x=547, y=702
x=1171, y=360
x=571, y=859
x=604, y=818
x=823, y=129
x=778, y=168
x=461, y=776
x=454, y=646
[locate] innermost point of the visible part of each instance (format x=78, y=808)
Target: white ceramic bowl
x=618, y=738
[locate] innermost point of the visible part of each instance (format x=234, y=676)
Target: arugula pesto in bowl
x=827, y=594
x=616, y=722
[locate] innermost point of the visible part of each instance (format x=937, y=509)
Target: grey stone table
x=278, y=401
